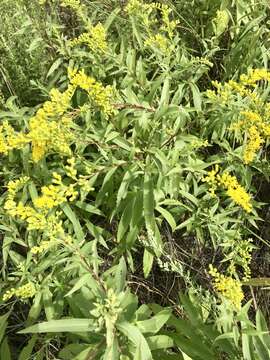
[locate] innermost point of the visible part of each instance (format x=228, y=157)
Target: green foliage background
x=129, y=276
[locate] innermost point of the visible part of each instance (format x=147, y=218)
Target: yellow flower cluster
x=23, y=292
x=253, y=145
x=102, y=96
x=15, y=185
x=10, y=139
x=211, y=179
x=95, y=39
x=253, y=76
x=229, y=288
x=233, y=189
x=244, y=88
x=241, y=256
x=258, y=129
x=44, y=245
x=244, y=250
x=55, y=194
x=221, y=22
x=134, y=6
x=73, y=4
x=145, y=13
x=254, y=121
x=52, y=196
x=50, y=129
x=158, y=41
x=70, y=169
x=35, y=220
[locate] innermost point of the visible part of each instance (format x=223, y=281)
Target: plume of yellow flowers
x=95, y=39
x=100, y=95
x=227, y=287
x=73, y=4
x=233, y=189
x=257, y=128
x=254, y=121
x=50, y=129
x=43, y=216
x=245, y=87
x=10, y=139
x=55, y=194
x=38, y=217
x=241, y=255
x=23, y=292
x=156, y=38
x=159, y=41
x=220, y=22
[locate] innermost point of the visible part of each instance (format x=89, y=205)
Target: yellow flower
x=26, y=291
x=47, y=130
x=44, y=245
x=159, y=41
x=257, y=128
x=134, y=6
x=211, y=179
x=102, y=96
x=95, y=39
x=10, y=139
x=253, y=145
x=70, y=169
x=74, y=4
x=229, y=288
x=235, y=191
x=255, y=75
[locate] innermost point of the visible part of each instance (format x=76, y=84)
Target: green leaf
x=63, y=325
x=123, y=189
x=261, y=325
x=35, y=309
x=153, y=325
x=264, y=281
x=112, y=352
x=54, y=66
x=27, y=350
x=149, y=203
x=75, y=222
x=3, y=325
x=70, y=351
x=246, y=347
x=48, y=304
x=165, y=94
x=167, y=216
x=160, y=342
x=83, y=280
x=136, y=32
x=97, y=232
x=135, y=336
x=125, y=219
x=197, y=99
x=5, y=353
x=261, y=348
x=148, y=259
x=111, y=18
x=120, y=275
x=89, y=208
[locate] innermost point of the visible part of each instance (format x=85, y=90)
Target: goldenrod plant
x=134, y=181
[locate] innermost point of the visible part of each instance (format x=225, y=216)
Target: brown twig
x=133, y=106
